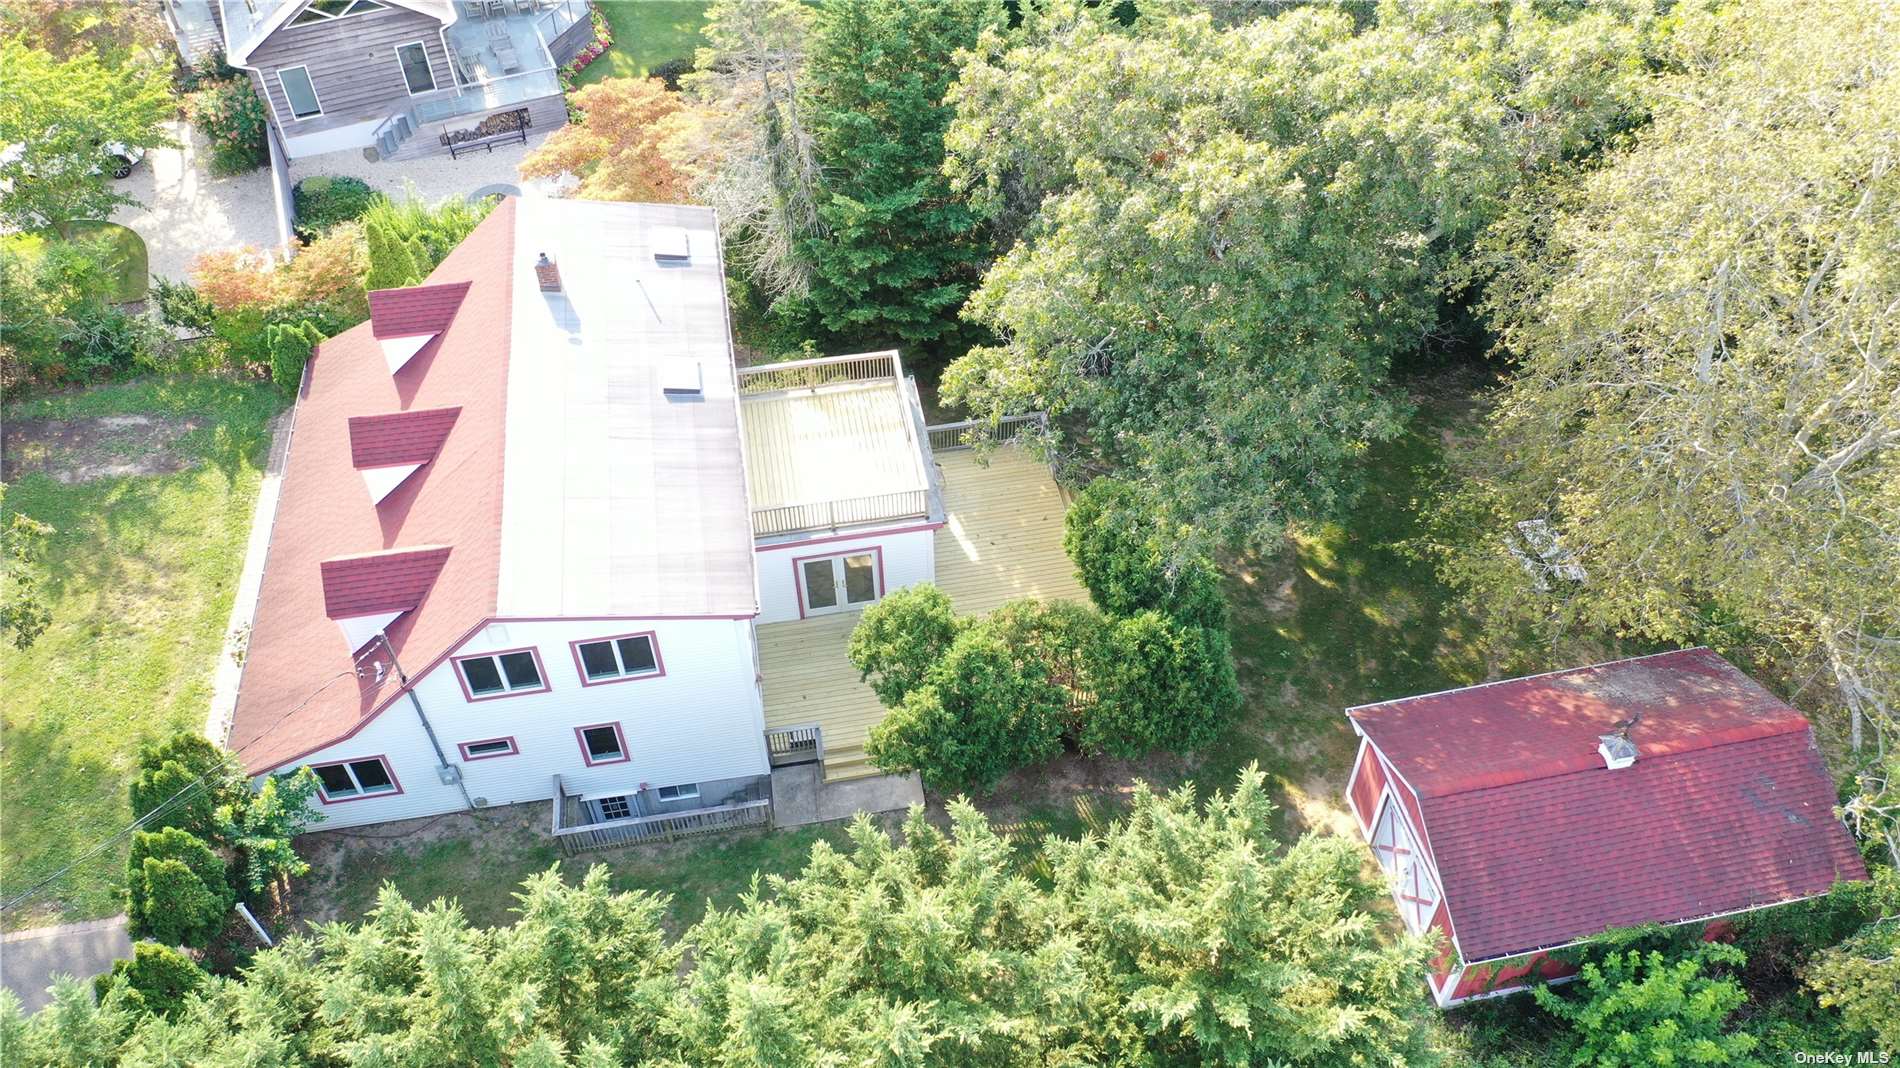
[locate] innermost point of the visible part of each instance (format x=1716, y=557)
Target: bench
x=518, y=136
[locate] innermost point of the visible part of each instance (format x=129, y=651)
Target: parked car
x=122, y=158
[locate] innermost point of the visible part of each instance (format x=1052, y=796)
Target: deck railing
x=824, y=371
x=581, y=837
x=948, y=437
x=803, y=744
x=823, y=515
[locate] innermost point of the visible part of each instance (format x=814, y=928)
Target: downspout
x=449, y=772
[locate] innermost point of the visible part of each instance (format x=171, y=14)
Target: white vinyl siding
x=698, y=723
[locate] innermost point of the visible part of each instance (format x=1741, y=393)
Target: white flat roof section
x=832, y=443
x=620, y=498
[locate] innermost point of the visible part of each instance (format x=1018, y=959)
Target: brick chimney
x=547, y=274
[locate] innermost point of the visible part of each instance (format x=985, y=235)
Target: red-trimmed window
x=501, y=674
x=602, y=743
x=839, y=582
x=352, y=780
x=1413, y=890
x=619, y=658
x=488, y=748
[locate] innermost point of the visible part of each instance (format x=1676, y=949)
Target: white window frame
x=314, y=95
x=325, y=16
x=685, y=791
x=622, y=673
x=839, y=581
x=349, y=770
x=1408, y=869
x=427, y=63
x=508, y=688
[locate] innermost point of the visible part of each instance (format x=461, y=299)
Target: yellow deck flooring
x=1002, y=539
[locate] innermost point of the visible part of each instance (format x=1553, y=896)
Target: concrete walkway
x=237, y=630
x=800, y=795
x=30, y=959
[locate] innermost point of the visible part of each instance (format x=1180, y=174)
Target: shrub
x=984, y=710
x=322, y=201
x=1161, y=684
x=290, y=345
x=1640, y=1008
x=672, y=71
x=1130, y=564
x=157, y=979
x=900, y=638
x=167, y=768
x=182, y=305
x=1861, y=978
x=330, y=271
x=233, y=280
x=427, y=234
x=231, y=117
x=56, y=322
x=177, y=889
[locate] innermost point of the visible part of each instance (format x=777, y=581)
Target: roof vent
x=547, y=274
x=681, y=378
x=670, y=245
x=1616, y=749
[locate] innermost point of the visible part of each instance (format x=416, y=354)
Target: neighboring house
x=539, y=539
x=403, y=77
x=1521, y=817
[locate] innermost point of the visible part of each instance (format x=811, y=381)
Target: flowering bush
x=603, y=40
x=231, y=118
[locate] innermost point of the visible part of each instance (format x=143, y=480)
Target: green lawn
x=134, y=276
x=139, y=577
x=647, y=33
x=483, y=868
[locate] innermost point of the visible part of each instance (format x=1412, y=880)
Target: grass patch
x=647, y=33
x=1346, y=613
x=481, y=864
x=139, y=577
x=134, y=273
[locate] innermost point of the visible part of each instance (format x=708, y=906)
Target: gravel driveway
x=185, y=210
x=433, y=178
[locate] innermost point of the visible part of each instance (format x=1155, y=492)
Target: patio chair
x=475, y=9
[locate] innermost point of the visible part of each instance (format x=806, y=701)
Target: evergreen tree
x=177, y=889
x=899, y=251
x=391, y=263
x=189, y=778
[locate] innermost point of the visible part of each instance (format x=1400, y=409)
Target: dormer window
x=1414, y=890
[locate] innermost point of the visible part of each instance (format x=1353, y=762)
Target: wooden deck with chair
x=1001, y=539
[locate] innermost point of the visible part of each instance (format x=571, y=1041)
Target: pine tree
x=899, y=251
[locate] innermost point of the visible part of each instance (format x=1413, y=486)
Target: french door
x=838, y=583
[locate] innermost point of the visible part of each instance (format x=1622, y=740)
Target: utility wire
x=164, y=806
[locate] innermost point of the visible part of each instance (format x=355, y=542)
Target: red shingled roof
x=295, y=652
x=1696, y=834
x=1533, y=728
x=1728, y=806
x=370, y=583
x=414, y=310
x=399, y=437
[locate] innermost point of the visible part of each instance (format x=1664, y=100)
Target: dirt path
x=106, y=446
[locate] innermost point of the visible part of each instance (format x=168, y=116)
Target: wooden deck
x=1002, y=539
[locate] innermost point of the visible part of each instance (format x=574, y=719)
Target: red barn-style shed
x=1528, y=815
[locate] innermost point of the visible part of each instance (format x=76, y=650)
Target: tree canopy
x=55, y=119
x=1705, y=408
x=1227, y=234
x=1182, y=935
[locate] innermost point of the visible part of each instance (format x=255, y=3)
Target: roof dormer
x=363, y=594
x=404, y=320
x=387, y=449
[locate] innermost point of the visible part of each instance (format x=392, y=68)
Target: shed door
x=1414, y=890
